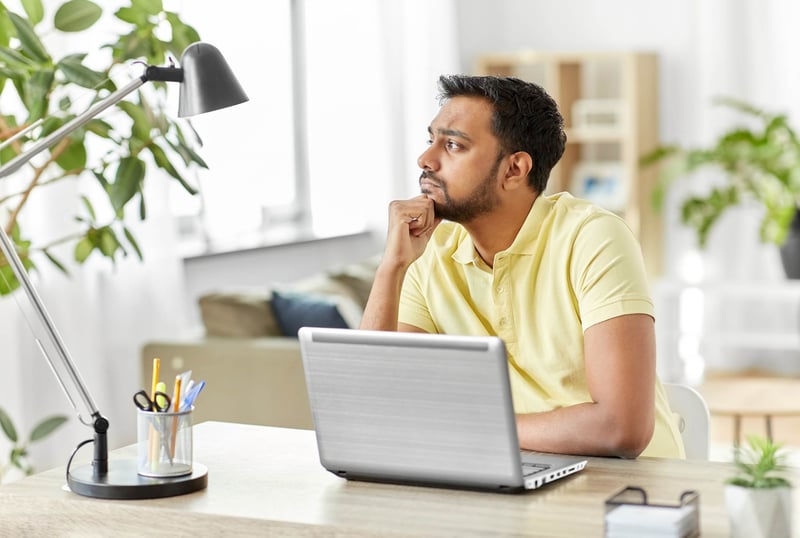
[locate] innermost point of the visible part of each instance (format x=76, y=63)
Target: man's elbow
x=630, y=440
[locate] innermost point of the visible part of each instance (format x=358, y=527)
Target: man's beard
x=482, y=200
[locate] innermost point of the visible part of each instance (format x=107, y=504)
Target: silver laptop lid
x=412, y=407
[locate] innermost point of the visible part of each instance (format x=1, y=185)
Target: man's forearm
x=381, y=311
x=586, y=429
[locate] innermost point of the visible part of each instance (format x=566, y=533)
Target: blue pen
x=191, y=395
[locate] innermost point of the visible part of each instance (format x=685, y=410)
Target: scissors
x=160, y=402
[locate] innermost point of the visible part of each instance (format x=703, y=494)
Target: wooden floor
x=724, y=391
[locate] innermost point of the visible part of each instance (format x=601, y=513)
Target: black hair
x=525, y=118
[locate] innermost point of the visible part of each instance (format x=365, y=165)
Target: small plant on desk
x=758, y=497
x=18, y=456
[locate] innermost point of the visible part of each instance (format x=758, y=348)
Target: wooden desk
x=268, y=481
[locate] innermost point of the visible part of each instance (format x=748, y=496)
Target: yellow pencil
x=153, y=433
x=176, y=405
x=156, y=368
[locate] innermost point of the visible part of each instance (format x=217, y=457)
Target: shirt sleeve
x=413, y=306
x=607, y=271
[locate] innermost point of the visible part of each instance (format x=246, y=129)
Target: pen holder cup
x=164, y=443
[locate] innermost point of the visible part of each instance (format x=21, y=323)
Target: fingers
x=415, y=213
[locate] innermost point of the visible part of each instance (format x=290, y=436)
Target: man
x=561, y=281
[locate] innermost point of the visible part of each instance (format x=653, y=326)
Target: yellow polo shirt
x=572, y=265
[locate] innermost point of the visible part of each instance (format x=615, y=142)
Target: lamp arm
x=79, y=121
x=99, y=423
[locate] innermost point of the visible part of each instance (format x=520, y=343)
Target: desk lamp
x=207, y=84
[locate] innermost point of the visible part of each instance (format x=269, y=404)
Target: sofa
x=249, y=354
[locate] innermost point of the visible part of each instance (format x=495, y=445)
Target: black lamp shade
x=208, y=82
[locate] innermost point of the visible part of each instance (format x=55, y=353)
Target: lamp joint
x=163, y=74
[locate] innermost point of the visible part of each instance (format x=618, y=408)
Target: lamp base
x=124, y=482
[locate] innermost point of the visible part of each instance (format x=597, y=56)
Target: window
x=334, y=124
x=249, y=148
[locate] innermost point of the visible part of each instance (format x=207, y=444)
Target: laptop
x=421, y=409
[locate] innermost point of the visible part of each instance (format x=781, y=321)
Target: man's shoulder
x=580, y=214
x=567, y=204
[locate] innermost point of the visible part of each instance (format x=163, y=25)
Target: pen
x=191, y=395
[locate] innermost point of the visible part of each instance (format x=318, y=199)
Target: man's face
x=460, y=167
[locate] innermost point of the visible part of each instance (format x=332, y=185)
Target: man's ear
x=519, y=166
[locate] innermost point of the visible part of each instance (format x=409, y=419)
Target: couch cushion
x=357, y=277
x=248, y=313
x=238, y=314
x=295, y=310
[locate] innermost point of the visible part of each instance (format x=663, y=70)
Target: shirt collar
x=524, y=243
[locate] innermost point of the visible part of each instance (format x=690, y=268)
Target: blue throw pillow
x=295, y=310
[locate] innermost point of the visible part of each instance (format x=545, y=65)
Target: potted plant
x=760, y=161
x=758, y=497
x=18, y=456
x=115, y=157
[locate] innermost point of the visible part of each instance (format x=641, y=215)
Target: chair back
x=695, y=421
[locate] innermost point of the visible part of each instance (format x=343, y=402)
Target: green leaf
x=161, y=159
x=46, y=427
x=36, y=93
x=55, y=261
x=132, y=16
x=132, y=240
x=14, y=59
x=6, y=28
x=127, y=182
x=89, y=207
x=141, y=125
x=151, y=7
x=186, y=152
x=8, y=280
x=107, y=242
x=34, y=10
x=77, y=15
x=73, y=158
x=74, y=71
x=8, y=426
x=31, y=45
x=18, y=455
x=100, y=128
x=130, y=47
x=183, y=35
x=83, y=249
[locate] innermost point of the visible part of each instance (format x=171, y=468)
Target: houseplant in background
x=46, y=89
x=758, y=497
x=18, y=457
x=760, y=163
x=117, y=154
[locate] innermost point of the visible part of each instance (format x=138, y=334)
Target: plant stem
x=37, y=174
x=11, y=131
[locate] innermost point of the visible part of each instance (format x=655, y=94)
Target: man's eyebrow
x=450, y=132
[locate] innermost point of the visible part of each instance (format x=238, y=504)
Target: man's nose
x=427, y=160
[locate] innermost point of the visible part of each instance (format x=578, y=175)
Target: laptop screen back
x=411, y=407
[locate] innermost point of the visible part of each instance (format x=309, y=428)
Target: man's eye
x=451, y=144
x=429, y=142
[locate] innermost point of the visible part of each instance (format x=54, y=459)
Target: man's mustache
x=430, y=176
